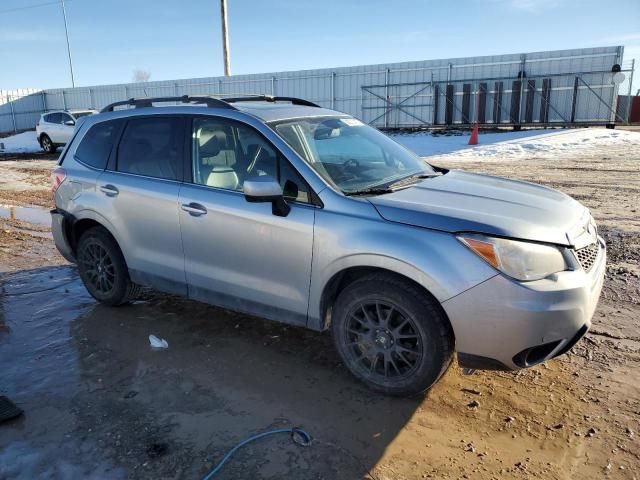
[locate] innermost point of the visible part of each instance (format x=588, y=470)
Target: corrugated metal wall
x=407, y=94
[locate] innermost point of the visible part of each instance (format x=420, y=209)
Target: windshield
x=350, y=155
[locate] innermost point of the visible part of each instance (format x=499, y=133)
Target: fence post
x=387, y=110
x=633, y=64
x=64, y=101
x=333, y=90
x=522, y=77
x=273, y=86
x=13, y=114
x=44, y=101
x=92, y=101
x=574, y=100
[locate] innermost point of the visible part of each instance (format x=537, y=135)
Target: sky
x=173, y=39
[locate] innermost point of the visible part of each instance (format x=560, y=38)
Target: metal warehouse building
x=561, y=87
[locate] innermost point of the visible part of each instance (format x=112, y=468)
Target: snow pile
x=441, y=143
x=517, y=145
x=24, y=142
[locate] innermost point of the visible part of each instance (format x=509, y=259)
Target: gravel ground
x=100, y=404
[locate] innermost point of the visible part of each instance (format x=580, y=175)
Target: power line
x=66, y=33
x=27, y=7
x=66, y=27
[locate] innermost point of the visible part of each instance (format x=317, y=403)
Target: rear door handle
x=194, y=209
x=109, y=190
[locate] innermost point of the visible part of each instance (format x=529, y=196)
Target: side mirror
x=70, y=123
x=266, y=189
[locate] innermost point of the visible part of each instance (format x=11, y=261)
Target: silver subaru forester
x=275, y=207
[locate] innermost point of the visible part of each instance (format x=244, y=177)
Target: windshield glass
x=350, y=155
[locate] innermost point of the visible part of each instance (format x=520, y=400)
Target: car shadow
x=99, y=401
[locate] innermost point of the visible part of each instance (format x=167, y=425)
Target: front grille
x=587, y=255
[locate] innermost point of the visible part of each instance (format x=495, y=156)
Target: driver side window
x=225, y=153
x=222, y=160
x=67, y=118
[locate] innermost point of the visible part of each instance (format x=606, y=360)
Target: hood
x=468, y=202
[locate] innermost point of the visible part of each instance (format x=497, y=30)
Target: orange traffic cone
x=474, y=135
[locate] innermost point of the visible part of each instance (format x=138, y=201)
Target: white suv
x=55, y=128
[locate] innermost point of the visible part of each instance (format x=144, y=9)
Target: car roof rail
x=270, y=98
x=148, y=102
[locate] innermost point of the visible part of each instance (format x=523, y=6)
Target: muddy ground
x=100, y=403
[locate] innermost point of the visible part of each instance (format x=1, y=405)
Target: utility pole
x=225, y=38
x=66, y=32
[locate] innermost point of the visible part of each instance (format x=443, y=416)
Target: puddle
x=35, y=215
x=100, y=403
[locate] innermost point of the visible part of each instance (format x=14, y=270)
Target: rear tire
x=46, y=144
x=103, y=269
x=392, y=335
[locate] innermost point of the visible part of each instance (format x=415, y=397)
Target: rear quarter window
x=152, y=147
x=95, y=146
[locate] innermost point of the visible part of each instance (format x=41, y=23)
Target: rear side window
x=95, y=146
x=152, y=147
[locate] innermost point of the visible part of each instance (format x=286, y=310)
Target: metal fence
x=541, y=88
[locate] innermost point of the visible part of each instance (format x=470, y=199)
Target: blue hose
x=305, y=441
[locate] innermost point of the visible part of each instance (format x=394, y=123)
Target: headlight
x=523, y=261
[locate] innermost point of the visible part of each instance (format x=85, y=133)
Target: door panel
x=53, y=127
x=65, y=131
x=240, y=256
x=145, y=213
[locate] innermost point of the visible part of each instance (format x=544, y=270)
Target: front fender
x=436, y=260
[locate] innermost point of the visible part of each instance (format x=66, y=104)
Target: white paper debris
x=157, y=342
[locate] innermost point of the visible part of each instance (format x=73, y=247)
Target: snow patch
x=25, y=142
x=521, y=145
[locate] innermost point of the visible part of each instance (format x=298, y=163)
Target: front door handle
x=109, y=190
x=194, y=209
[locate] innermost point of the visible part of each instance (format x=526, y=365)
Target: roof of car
x=266, y=111
x=77, y=110
x=274, y=111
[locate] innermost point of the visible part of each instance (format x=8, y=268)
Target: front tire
x=103, y=269
x=46, y=144
x=392, y=335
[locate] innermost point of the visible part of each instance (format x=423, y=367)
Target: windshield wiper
x=369, y=191
x=411, y=178
x=392, y=187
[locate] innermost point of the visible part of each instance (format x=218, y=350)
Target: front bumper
x=502, y=324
